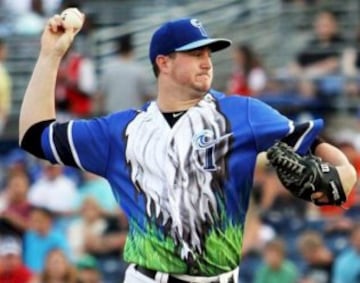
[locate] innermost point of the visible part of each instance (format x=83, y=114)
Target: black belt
x=171, y=279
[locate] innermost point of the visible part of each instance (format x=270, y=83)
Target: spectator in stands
x=276, y=269
x=285, y=213
x=39, y=7
x=41, y=238
x=12, y=269
x=88, y=270
x=318, y=258
x=107, y=249
x=76, y=85
x=24, y=16
x=17, y=209
x=257, y=234
x=351, y=66
x=123, y=73
x=5, y=87
x=28, y=16
x=248, y=76
x=58, y=269
x=99, y=189
x=347, y=264
x=278, y=209
x=321, y=57
x=90, y=224
x=16, y=162
x=53, y=190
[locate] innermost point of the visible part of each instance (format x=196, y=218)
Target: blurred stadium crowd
x=61, y=225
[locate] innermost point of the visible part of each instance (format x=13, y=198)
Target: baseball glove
x=306, y=175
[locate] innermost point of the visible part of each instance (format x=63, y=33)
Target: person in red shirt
x=17, y=209
x=12, y=269
x=76, y=85
x=248, y=76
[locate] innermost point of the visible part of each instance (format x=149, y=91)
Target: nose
x=206, y=62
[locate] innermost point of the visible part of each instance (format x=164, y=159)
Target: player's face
x=193, y=69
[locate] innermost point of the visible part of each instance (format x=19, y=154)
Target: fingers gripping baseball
x=60, y=32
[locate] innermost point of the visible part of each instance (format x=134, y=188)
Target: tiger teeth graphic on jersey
x=188, y=201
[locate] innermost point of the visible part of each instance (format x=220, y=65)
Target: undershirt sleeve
x=31, y=141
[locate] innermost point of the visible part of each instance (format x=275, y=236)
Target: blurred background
x=300, y=56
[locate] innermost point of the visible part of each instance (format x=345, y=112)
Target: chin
x=203, y=87
x=201, y=91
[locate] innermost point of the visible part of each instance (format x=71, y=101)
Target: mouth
x=204, y=75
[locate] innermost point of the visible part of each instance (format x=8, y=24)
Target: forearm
x=322, y=68
x=39, y=100
x=334, y=156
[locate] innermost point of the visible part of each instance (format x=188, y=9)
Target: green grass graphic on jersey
x=140, y=248
x=212, y=261
x=154, y=251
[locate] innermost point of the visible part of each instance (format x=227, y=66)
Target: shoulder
x=289, y=266
x=55, y=237
x=25, y=270
x=30, y=234
x=345, y=257
x=111, y=63
x=118, y=118
x=234, y=100
x=64, y=179
x=223, y=98
x=240, y=104
x=262, y=271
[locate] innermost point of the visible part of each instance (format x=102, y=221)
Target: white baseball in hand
x=72, y=18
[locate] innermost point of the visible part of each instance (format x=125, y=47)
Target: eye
x=196, y=52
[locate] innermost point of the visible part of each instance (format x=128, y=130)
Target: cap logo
x=196, y=23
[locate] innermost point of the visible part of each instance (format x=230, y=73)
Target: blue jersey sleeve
x=85, y=144
x=269, y=126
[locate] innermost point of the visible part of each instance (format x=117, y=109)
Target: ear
x=163, y=63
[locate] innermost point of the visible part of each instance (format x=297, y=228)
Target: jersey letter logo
x=206, y=141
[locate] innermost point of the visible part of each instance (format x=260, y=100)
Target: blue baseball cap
x=183, y=35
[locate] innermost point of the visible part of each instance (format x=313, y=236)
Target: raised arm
x=39, y=100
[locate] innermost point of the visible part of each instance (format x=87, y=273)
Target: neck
x=168, y=104
x=19, y=200
x=173, y=99
x=90, y=220
x=44, y=232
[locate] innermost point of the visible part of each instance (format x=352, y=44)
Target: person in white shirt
x=53, y=190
